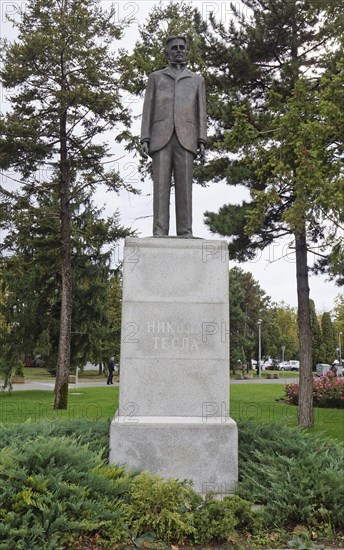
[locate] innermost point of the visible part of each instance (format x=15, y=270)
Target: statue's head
x=176, y=49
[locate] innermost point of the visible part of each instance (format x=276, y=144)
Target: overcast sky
x=274, y=268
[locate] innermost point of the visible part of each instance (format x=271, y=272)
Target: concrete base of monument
x=203, y=450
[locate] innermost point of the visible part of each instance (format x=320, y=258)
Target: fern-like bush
x=173, y=512
x=55, y=485
x=53, y=488
x=297, y=476
x=94, y=433
x=164, y=507
x=220, y=520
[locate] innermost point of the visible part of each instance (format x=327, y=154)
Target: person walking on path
x=111, y=369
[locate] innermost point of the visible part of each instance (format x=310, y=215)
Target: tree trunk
x=305, y=412
x=64, y=348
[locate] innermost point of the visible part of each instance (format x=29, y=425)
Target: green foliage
x=338, y=313
x=162, y=506
x=271, y=115
x=304, y=543
x=52, y=489
x=62, y=52
x=59, y=479
x=221, y=519
x=329, y=341
x=316, y=336
x=247, y=302
x=276, y=98
x=60, y=74
x=106, y=334
x=19, y=370
x=285, y=333
x=55, y=486
x=174, y=512
x=31, y=306
x=265, y=403
x=297, y=476
x=94, y=434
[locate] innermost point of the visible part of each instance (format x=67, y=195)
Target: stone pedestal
x=173, y=416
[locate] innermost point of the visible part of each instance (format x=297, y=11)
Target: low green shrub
x=53, y=488
x=173, y=512
x=19, y=371
x=55, y=485
x=297, y=476
x=220, y=520
x=94, y=433
x=164, y=507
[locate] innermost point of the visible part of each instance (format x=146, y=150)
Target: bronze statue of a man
x=173, y=130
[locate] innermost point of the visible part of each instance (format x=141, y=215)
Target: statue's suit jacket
x=174, y=102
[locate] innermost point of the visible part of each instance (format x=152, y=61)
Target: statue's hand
x=201, y=152
x=145, y=148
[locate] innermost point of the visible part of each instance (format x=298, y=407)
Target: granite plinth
x=201, y=450
x=175, y=363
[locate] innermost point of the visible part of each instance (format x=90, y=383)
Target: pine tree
x=263, y=76
x=61, y=73
x=284, y=318
x=247, y=302
x=31, y=276
x=317, y=356
x=268, y=67
x=329, y=341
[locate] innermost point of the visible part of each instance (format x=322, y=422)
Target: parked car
x=322, y=369
x=270, y=364
x=292, y=365
x=340, y=370
x=339, y=367
x=284, y=365
x=38, y=362
x=254, y=365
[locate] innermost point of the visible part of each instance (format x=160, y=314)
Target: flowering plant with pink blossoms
x=328, y=391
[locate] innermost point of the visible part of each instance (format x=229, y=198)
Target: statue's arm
x=202, y=122
x=147, y=115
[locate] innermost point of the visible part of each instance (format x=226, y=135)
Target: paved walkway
x=49, y=384
x=266, y=381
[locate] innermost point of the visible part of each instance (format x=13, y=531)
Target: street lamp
x=283, y=350
x=340, y=348
x=259, y=323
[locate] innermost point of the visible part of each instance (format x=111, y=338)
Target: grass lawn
x=258, y=402
x=282, y=374
x=39, y=374
x=248, y=402
x=86, y=403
